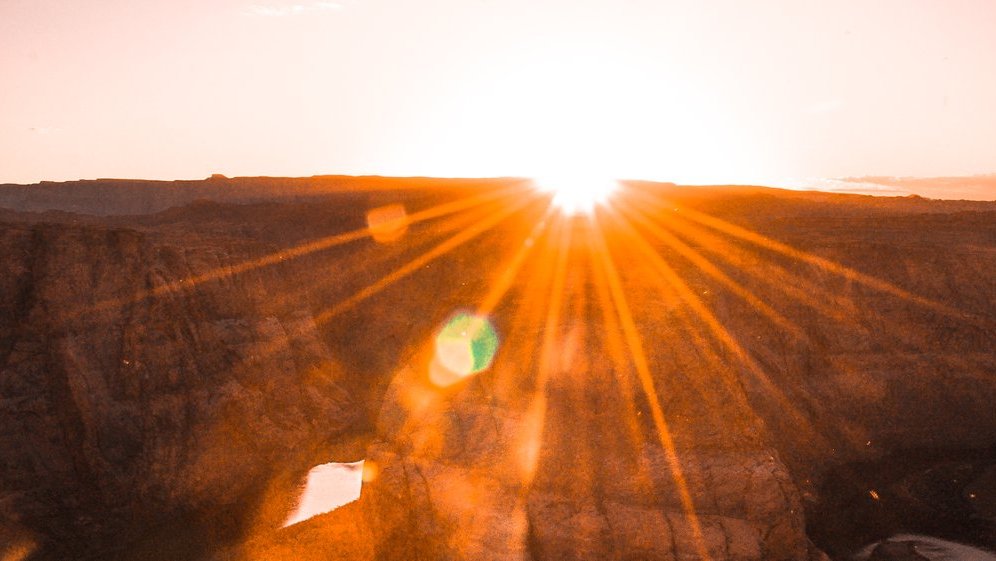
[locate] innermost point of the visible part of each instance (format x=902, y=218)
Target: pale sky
x=690, y=91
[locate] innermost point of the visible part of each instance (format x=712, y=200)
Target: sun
x=577, y=194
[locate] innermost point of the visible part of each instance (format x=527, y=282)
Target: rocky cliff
x=673, y=384
x=170, y=406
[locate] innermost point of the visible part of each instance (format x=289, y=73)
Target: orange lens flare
x=387, y=223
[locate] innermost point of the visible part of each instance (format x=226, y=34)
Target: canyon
x=731, y=373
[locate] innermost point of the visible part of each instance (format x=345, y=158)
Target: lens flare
x=465, y=345
x=387, y=223
x=578, y=194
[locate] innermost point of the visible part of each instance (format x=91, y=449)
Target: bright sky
x=691, y=91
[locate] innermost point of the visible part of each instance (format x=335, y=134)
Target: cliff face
x=165, y=375
x=672, y=407
x=119, y=409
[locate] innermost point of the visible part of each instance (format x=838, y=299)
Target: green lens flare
x=466, y=344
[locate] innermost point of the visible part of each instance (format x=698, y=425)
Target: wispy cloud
x=839, y=185
x=286, y=9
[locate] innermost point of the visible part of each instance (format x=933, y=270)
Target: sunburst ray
x=306, y=248
x=634, y=342
x=775, y=246
x=666, y=273
x=510, y=271
x=710, y=269
x=500, y=212
x=773, y=276
x=537, y=409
